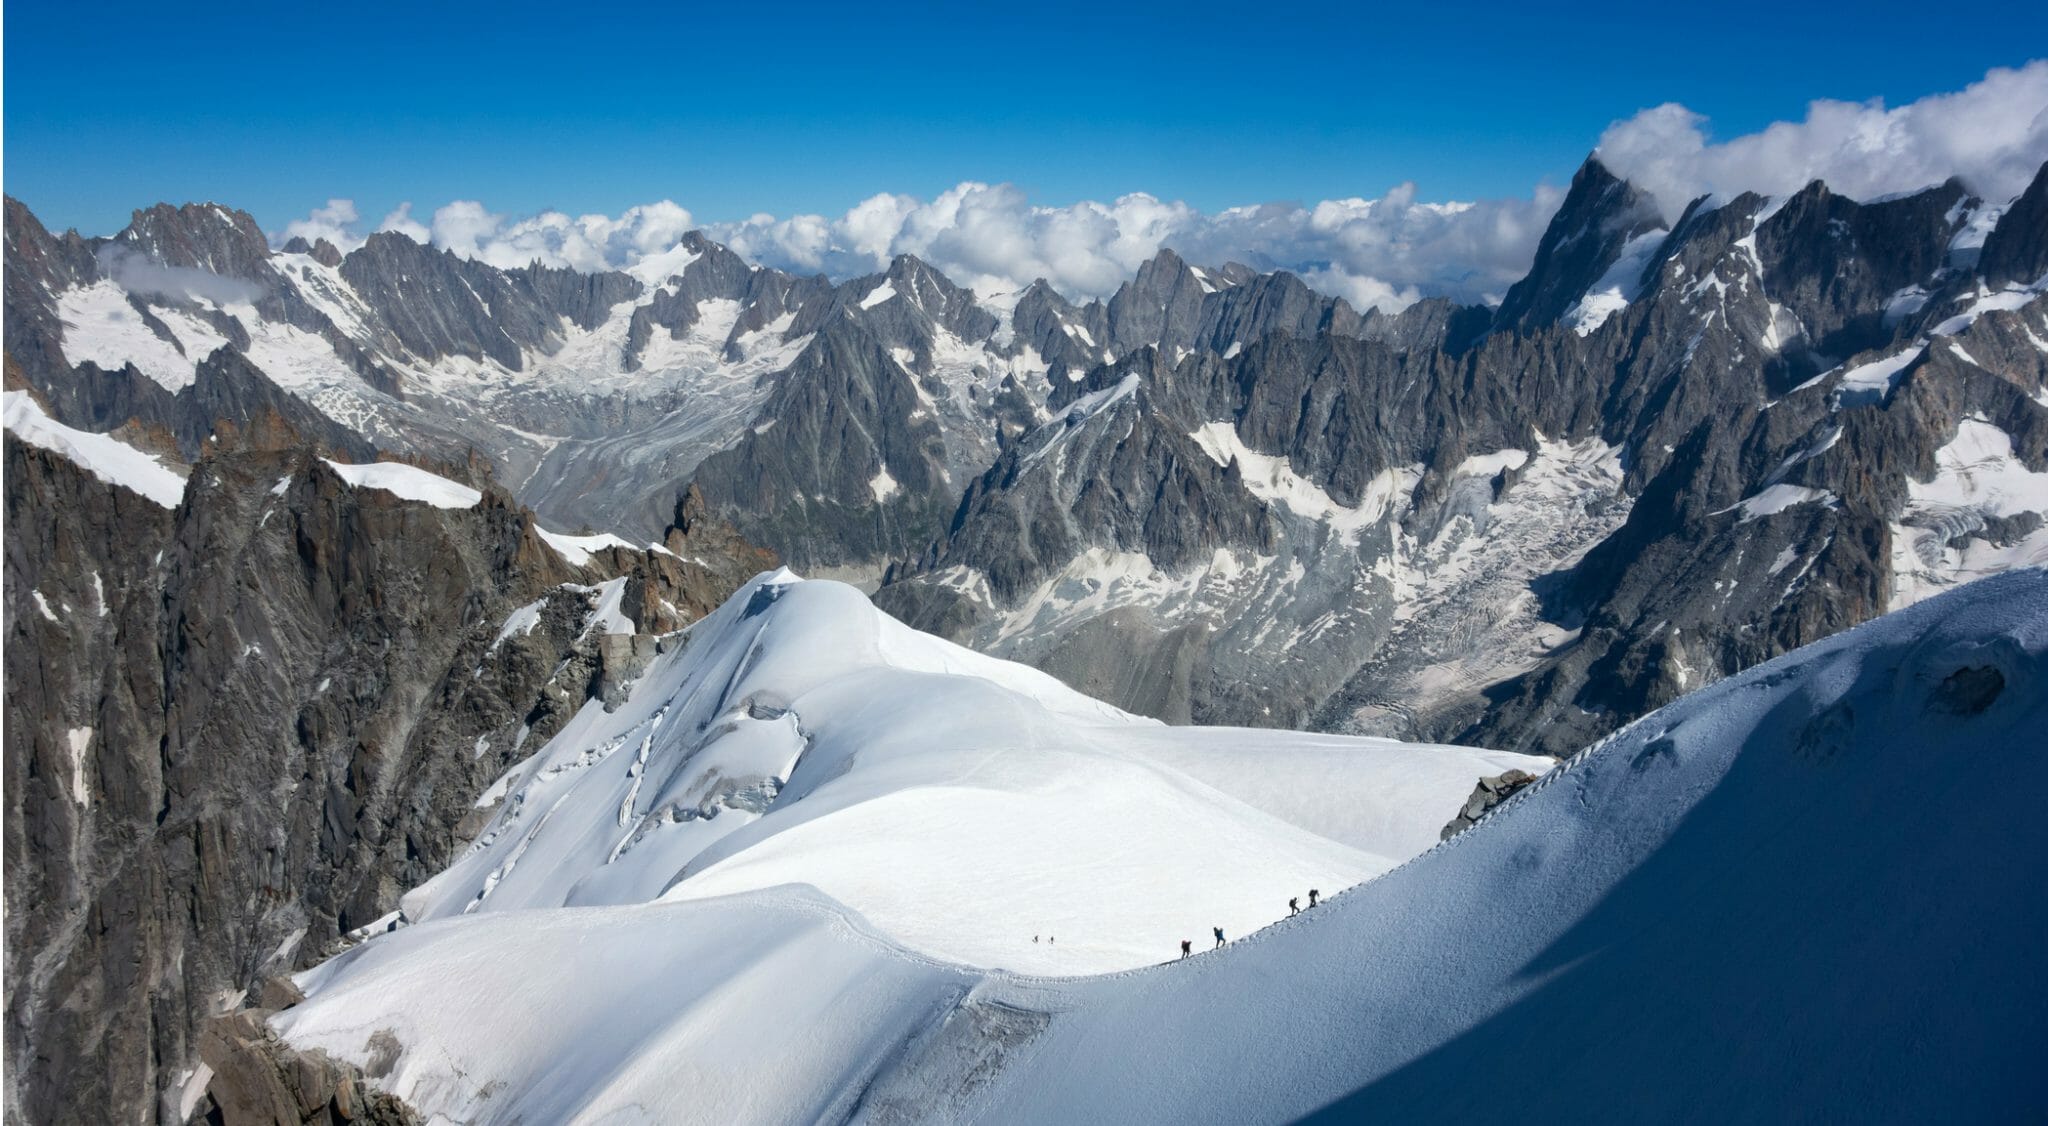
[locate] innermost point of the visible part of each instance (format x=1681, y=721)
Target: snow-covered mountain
x=254, y=546
x=596, y=396
x=1791, y=894
x=960, y=803
x=1674, y=450
x=1668, y=455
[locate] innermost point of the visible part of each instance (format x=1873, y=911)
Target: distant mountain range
x=304, y=550
x=1671, y=452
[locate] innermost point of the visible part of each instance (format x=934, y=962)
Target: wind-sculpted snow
x=1798, y=894
x=961, y=803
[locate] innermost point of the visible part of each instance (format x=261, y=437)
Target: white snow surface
x=2007, y=299
x=102, y=328
x=103, y=455
x=1273, y=480
x=1879, y=376
x=1620, y=285
x=408, y=482
x=1790, y=895
x=577, y=550
x=522, y=621
x=801, y=736
x=1777, y=498
x=1977, y=477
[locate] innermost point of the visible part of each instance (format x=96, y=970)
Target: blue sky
x=733, y=109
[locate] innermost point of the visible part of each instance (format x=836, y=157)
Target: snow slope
x=962, y=804
x=103, y=455
x=1799, y=894
x=407, y=482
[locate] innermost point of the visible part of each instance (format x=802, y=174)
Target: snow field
x=1789, y=894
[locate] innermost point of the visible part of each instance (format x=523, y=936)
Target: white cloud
x=334, y=222
x=401, y=220
x=587, y=242
x=1993, y=134
x=1386, y=252
x=133, y=271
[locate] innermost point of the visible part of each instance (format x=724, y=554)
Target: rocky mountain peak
x=1161, y=304
x=203, y=236
x=2016, y=251
x=1600, y=215
x=1162, y=271
x=935, y=293
x=1835, y=262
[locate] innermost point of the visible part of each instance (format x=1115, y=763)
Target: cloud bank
x=1386, y=252
x=1993, y=134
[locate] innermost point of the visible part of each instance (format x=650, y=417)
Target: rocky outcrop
x=39, y=266
x=236, y=730
x=429, y=303
x=256, y=1079
x=1835, y=263
x=847, y=466
x=202, y=237
x=1491, y=791
x=2016, y=251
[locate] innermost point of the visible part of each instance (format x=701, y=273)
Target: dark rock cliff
x=237, y=730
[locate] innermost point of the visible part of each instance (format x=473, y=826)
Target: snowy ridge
x=1716, y=856
x=577, y=550
x=798, y=735
x=802, y=786
x=104, y=456
x=408, y=482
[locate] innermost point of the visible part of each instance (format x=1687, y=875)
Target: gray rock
x=2016, y=251
x=252, y=723
x=1490, y=792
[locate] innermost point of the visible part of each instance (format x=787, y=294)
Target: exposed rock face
x=1835, y=263
x=260, y=1080
x=430, y=303
x=1523, y=539
x=851, y=469
x=1491, y=791
x=2016, y=251
x=238, y=729
x=1599, y=216
x=226, y=391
